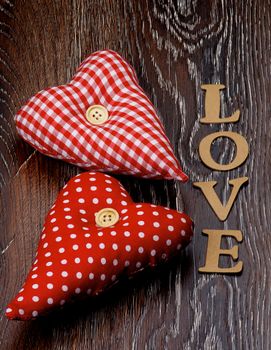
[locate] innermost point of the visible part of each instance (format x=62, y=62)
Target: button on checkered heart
x=102, y=120
x=94, y=234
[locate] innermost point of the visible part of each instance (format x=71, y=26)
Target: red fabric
x=131, y=142
x=76, y=257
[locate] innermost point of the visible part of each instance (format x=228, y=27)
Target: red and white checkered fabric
x=132, y=141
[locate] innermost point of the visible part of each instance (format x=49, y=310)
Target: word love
x=222, y=210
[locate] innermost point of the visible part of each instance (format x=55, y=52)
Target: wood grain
x=175, y=46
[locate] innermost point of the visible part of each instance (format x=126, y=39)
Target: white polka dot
x=127, y=234
x=108, y=189
x=168, y=242
x=91, y=276
x=113, y=233
x=87, y=235
x=90, y=260
x=140, y=250
x=128, y=248
x=49, y=263
x=141, y=234
x=73, y=235
x=183, y=220
x=43, y=236
x=79, y=189
x=103, y=261
x=170, y=228
x=75, y=247
x=34, y=276
x=45, y=245
x=35, y=268
x=123, y=211
x=68, y=217
x=139, y=206
x=92, y=179
x=50, y=286
x=77, y=180
x=65, y=193
x=169, y=216
x=58, y=239
x=77, y=260
x=47, y=255
x=35, y=299
x=66, y=201
x=61, y=250
x=84, y=220
x=93, y=188
x=50, y=301
x=81, y=200
x=113, y=278
x=114, y=246
x=79, y=275
x=155, y=213
x=35, y=286
x=64, y=274
x=108, y=181
x=153, y=252
x=88, y=245
x=8, y=310
x=20, y=298
x=64, y=288
x=109, y=201
x=67, y=209
x=102, y=277
x=127, y=263
x=21, y=311
x=138, y=264
x=125, y=217
x=155, y=238
x=85, y=228
x=64, y=262
x=156, y=224
x=115, y=262
x=89, y=291
x=123, y=203
x=35, y=313
x=62, y=302
x=183, y=233
x=140, y=213
x=82, y=211
x=52, y=212
x=77, y=290
x=95, y=200
x=179, y=246
x=101, y=245
x=49, y=273
x=141, y=223
x=70, y=226
x=53, y=220
x=126, y=224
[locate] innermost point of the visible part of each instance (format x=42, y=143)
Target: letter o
x=241, y=150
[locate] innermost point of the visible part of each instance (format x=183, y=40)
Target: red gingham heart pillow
x=93, y=235
x=102, y=120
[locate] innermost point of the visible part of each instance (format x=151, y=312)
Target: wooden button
x=106, y=217
x=97, y=115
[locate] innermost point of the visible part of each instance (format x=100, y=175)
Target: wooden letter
x=212, y=106
x=241, y=150
x=214, y=251
x=221, y=211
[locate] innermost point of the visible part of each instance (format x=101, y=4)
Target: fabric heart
x=94, y=234
x=102, y=120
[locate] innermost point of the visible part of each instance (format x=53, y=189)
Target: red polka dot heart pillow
x=93, y=235
x=102, y=120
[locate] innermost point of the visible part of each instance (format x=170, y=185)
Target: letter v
x=222, y=211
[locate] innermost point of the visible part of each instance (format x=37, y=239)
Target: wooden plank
x=175, y=46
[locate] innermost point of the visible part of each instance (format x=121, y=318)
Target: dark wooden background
x=175, y=46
